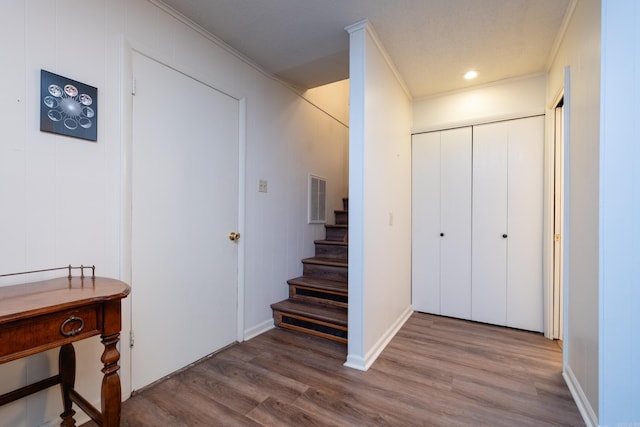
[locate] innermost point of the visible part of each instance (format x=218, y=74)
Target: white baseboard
x=355, y=362
x=258, y=329
x=587, y=412
x=363, y=364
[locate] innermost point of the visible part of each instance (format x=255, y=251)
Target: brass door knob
x=233, y=236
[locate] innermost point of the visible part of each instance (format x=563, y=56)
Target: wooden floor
x=436, y=372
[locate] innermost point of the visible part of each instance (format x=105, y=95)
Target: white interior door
x=426, y=240
x=455, y=231
x=558, y=216
x=507, y=223
x=441, y=264
x=489, y=236
x=525, y=205
x=185, y=203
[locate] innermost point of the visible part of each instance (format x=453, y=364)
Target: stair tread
x=336, y=262
x=312, y=282
x=331, y=242
x=323, y=312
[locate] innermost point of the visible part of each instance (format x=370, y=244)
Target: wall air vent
x=317, y=200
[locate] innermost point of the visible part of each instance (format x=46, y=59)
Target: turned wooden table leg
x=111, y=395
x=67, y=370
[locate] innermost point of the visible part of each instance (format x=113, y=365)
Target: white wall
x=506, y=99
x=333, y=98
x=380, y=199
x=619, y=296
x=65, y=200
x=580, y=51
x=60, y=196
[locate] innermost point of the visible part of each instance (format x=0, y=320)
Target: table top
x=35, y=298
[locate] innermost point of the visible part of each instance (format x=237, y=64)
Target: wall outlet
x=262, y=186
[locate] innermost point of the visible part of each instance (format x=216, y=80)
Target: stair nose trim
x=334, y=262
x=331, y=242
x=319, y=283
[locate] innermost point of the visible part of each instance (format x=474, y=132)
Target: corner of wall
x=585, y=408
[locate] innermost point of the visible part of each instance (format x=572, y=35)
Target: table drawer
x=30, y=336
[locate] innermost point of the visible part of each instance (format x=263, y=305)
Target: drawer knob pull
x=72, y=332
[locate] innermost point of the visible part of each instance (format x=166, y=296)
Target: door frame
x=558, y=212
x=126, y=196
x=551, y=295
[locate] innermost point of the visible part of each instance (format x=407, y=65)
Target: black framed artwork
x=68, y=107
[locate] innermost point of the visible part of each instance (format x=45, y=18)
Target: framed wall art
x=68, y=107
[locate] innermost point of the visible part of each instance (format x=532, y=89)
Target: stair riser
x=342, y=218
x=332, y=251
x=333, y=233
x=339, y=299
x=327, y=272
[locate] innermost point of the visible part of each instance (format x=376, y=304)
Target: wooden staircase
x=318, y=300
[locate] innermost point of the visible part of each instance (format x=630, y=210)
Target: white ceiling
x=431, y=42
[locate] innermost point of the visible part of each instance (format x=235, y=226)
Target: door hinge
x=557, y=237
x=133, y=87
x=131, y=339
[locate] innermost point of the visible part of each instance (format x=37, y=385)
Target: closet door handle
x=504, y=236
x=441, y=234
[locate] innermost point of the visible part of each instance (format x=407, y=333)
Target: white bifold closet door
x=441, y=260
x=507, y=223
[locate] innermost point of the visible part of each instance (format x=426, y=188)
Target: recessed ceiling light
x=471, y=75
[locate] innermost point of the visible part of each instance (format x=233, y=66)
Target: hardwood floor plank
x=273, y=412
x=436, y=371
x=393, y=408
x=555, y=390
x=287, y=342
x=526, y=407
x=478, y=367
x=209, y=412
x=236, y=397
x=250, y=380
x=340, y=408
x=141, y=410
x=425, y=375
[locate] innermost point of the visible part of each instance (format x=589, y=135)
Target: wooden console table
x=39, y=316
